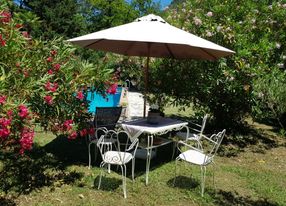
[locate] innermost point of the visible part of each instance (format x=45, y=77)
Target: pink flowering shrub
x=250, y=82
x=41, y=83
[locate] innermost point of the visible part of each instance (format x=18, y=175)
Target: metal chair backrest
x=105, y=141
x=123, y=145
x=126, y=144
x=203, y=125
x=215, y=141
x=107, y=117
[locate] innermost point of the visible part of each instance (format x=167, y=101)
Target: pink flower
x=2, y=99
x=53, y=52
x=26, y=73
x=91, y=131
x=80, y=95
x=5, y=17
x=10, y=113
x=4, y=133
x=49, y=59
x=26, y=141
x=209, y=34
x=197, y=21
x=83, y=132
x=23, y=111
x=48, y=99
x=26, y=34
x=18, y=64
x=48, y=86
x=56, y=67
x=68, y=124
x=4, y=122
x=19, y=26
x=2, y=41
x=73, y=135
x=51, y=86
x=50, y=72
x=112, y=89
x=210, y=14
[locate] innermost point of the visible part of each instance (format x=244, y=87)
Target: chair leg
x=213, y=168
x=89, y=156
x=133, y=168
x=95, y=152
x=101, y=172
x=176, y=162
x=109, y=170
x=203, y=177
x=174, y=150
x=123, y=173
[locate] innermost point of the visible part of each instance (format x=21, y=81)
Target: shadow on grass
x=239, y=137
x=183, y=182
x=69, y=152
x=24, y=174
x=232, y=198
x=107, y=183
x=4, y=201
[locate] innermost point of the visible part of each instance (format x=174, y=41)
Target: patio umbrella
x=151, y=36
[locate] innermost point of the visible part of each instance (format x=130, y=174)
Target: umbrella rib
x=170, y=51
x=130, y=46
x=87, y=46
x=208, y=53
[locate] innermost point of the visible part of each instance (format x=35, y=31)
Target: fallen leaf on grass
x=81, y=196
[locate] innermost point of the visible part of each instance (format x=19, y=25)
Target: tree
x=228, y=88
x=144, y=7
x=58, y=18
x=110, y=13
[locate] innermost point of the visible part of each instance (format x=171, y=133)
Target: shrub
x=254, y=30
x=41, y=82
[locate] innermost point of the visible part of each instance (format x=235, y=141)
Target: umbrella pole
x=146, y=71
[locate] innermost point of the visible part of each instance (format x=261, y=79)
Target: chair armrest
x=187, y=145
x=195, y=124
x=133, y=144
x=209, y=138
x=196, y=130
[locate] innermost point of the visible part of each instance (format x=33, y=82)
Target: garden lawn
x=56, y=173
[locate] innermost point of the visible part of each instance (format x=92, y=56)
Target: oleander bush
x=232, y=87
x=41, y=83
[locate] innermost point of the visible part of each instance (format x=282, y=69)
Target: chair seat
x=195, y=157
x=117, y=158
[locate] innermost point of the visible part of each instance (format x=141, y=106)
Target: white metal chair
x=200, y=157
x=105, y=119
x=126, y=148
x=195, y=132
x=93, y=139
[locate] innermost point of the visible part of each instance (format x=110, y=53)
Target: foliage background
x=251, y=82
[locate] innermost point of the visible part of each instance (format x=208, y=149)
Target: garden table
x=138, y=127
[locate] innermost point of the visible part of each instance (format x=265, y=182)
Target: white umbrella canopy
x=151, y=36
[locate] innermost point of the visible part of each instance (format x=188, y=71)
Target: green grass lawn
x=56, y=173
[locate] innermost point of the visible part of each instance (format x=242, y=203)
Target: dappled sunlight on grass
x=56, y=173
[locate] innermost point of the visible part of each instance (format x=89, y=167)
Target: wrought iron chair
x=126, y=148
x=199, y=156
x=107, y=118
x=195, y=132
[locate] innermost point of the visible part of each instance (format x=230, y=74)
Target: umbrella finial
x=151, y=17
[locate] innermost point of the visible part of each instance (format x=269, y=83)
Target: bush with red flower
x=41, y=83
